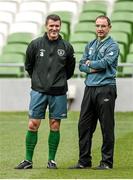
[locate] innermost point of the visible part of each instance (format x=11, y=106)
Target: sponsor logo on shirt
x=111, y=53
x=42, y=52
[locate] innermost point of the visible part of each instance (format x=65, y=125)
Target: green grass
x=13, y=127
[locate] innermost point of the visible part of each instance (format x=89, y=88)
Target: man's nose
x=54, y=27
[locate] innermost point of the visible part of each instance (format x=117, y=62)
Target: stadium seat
x=17, y=1
x=85, y=27
x=46, y=1
x=122, y=57
x=123, y=6
x=121, y=38
x=82, y=37
x=12, y=58
x=127, y=71
x=131, y=48
x=123, y=0
x=20, y=37
x=123, y=27
x=2, y=42
x=89, y=16
x=15, y=48
x=79, y=47
x=70, y=6
x=100, y=7
x=11, y=71
x=119, y=68
x=28, y=27
x=9, y=6
x=30, y=16
x=122, y=17
x=4, y=28
x=12, y=65
x=129, y=58
x=78, y=56
x=65, y=30
x=37, y=6
x=7, y=17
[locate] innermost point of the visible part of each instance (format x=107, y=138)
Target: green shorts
x=39, y=102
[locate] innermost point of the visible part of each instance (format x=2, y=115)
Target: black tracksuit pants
x=98, y=104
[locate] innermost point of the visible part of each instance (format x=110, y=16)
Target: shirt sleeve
x=70, y=65
x=30, y=59
x=110, y=58
x=83, y=67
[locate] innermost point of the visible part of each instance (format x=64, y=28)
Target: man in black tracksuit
x=99, y=63
x=50, y=63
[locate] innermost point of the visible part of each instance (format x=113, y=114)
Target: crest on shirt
x=60, y=52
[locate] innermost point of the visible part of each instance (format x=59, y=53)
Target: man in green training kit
x=50, y=63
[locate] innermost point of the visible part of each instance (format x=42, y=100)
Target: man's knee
x=33, y=125
x=54, y=125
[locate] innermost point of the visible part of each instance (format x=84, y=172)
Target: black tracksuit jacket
x=50, y=64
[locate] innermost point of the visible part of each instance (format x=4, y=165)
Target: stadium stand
x=23, y=20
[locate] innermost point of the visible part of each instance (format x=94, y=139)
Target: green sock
x=53, y=141
x=31, y=141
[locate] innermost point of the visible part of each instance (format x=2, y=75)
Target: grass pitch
x=13, y=127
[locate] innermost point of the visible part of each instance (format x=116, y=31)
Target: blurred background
x=23, y=20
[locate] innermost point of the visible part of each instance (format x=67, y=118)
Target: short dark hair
x=54, y=17
x=104, y=17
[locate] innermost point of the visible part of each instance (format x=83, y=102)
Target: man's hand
x=91, y=70
x=87, y=62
